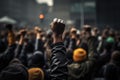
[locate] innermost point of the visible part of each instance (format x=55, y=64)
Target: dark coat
x=84, y=70
x=21, y=54
x=7, y=56
x=14, y=71
x=81, y=71
x=111, y=72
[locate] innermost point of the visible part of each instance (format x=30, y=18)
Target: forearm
x=19, y=47
x=39, y=45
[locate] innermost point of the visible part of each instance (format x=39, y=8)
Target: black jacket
x=39, y=45
x=72, y=44
x=111, y=71
x=7, y=56
x=21, y=54
x=58, y=64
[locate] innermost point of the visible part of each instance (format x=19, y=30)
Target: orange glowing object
x=41, y=16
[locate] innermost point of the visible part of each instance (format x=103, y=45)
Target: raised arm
x=58, y=63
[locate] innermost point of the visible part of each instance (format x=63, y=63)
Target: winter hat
x=36, y=74
x=14, y=71
x=109, y=43
x=110, y=40
x=79, y=54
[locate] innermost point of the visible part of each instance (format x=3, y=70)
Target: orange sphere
x=41, y=16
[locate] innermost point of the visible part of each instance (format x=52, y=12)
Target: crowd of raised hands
x=59, y=54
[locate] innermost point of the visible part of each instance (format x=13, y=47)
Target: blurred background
x=75, y=12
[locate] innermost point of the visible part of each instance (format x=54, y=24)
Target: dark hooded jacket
x=81, y=71
x=14, y=71
x=111, y=71
x=84, y=70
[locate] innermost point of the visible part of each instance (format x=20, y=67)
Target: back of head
x=36, y=74
x=14, y=71
x=9, y=26
x=116, y=57
x=87, y=28
x=37, y=60
x=109, y=43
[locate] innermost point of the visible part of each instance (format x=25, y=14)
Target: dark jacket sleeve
x=39, y=45
x=72, y=44
x=7, y=56
x=23, y=55
x=18, y=50
x=58, y=65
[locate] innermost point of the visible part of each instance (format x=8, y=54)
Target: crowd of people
x=86, y=54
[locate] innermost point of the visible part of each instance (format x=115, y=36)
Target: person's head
x=79, y=55
x=115, y=57
x=117, y=36
x=105, y=33
x=73, y=32
x=57, y=26
x=36, y=74
x=66, y=34
x=82, y=34
x=109, y=43
x=49, y=34
x=9, y=27
x=37, y=60
x=14, y=71
x=95, y=31
x=87, y=30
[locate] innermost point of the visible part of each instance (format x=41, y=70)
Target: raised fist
x=23, y=32
x=37, y=29
x=9, y=27
x=57, y=26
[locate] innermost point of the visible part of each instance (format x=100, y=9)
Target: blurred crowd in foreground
x=86, y=54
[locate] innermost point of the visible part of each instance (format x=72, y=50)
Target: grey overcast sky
x=49, y=2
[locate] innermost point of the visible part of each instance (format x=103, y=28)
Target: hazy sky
x=49, y=2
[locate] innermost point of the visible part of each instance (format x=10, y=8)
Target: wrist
x=57, y=39
x=21, y=41
x=38, y=36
